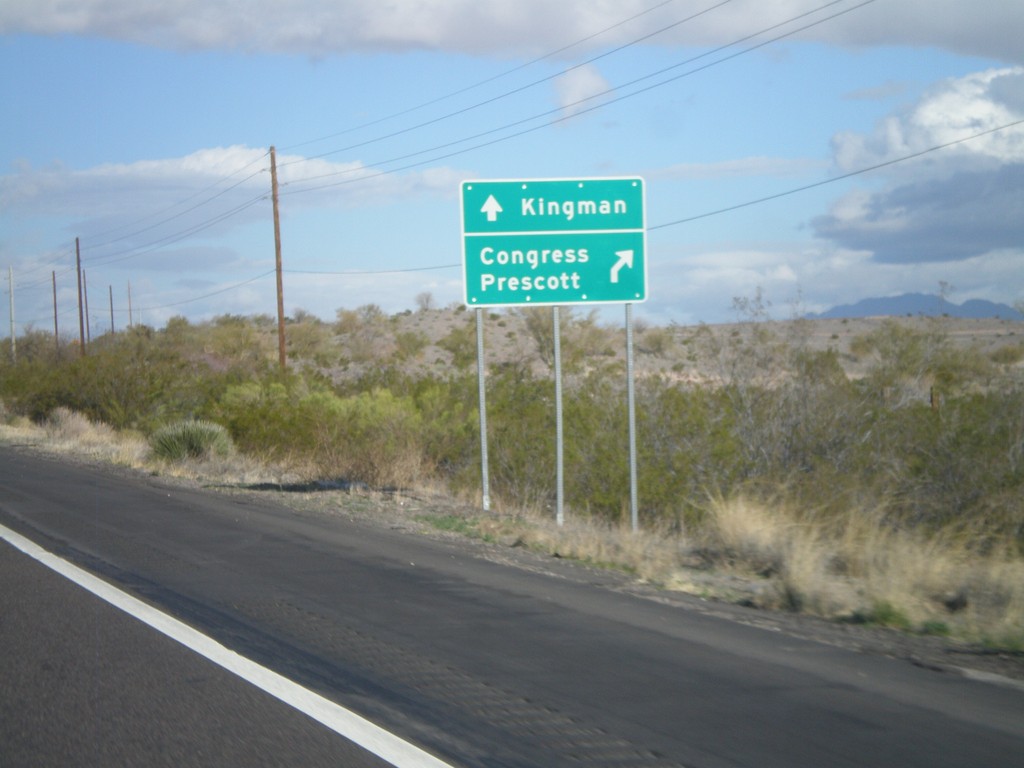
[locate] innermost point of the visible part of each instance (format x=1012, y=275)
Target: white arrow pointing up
x=492, y=208
x=625, y=260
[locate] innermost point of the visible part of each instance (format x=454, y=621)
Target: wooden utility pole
x=14, y=343
x=56, y=333
x=111, y=290
x=85, y=289
x=282, y=355
x=81, y=314
x=130, y=321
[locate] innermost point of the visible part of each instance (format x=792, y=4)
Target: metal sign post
x=631, y=398
x=480, y=369
x=559, y=433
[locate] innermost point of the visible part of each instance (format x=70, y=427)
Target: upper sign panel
x=554, y=241
x=552, y=205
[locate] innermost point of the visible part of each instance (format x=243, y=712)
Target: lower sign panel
x=554, y=268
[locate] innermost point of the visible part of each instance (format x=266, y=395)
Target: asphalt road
x=85, y=684
x=482, y=664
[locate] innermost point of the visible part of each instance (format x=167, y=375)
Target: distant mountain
x=920, y=304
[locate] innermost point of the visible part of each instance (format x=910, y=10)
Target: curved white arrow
x=625, y=260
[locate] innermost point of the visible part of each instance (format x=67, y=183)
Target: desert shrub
x=425, y=301
x=963, y=461
x=409, y=345
x=31, y=388
x=34, y=345
x=684, y=445
x=687, y=445
x=773, y=411
x=238, y=342
x=309, y=339
x=449, y=415
x=373, y=437
x=580, y=337
x=585, y=338
x=260, y=417
x=1008, y=355
x=655, y=341
x=908, y=362
x=130, y=380
x=190, y=439
x=521, y=426
x=461, y=343
x=595, y=431
x=365, y=333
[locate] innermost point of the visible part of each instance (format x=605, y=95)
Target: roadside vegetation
x=878, y=481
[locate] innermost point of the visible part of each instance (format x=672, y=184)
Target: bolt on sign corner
x=554, y=241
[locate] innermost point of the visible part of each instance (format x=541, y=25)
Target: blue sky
x=143, y=129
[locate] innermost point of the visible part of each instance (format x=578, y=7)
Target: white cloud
x=987, y=28
x=952, y=110
x=953, y=204
x=210, y=182
x=577, y=88
x=129, y=187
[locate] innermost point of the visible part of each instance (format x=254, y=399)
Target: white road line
x=370, y=737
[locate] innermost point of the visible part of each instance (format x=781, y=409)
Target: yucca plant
x=191, y=438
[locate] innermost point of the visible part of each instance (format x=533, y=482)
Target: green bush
x=521, y=437
x=191, y=439
x=137, y=379
x=375, y=437
x=461, y=343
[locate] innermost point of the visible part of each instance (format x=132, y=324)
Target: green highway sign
x=554, y=241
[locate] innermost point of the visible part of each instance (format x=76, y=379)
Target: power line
x=581, y=101
x=221, y=217
x=177, y=236
x=150, y=247
x=218, y=292
x=178, y=215
x=67, y=253
x=173, y=238
x=738, y=206
x=664, y=225
x=834, y=179
x=372, y=271
x=485, y=81
x=514, y=91
x=577, y=113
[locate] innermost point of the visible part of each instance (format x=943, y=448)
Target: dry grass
x=66, y=431
x=863, y=567
x=236, y=469
x=649, y=555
